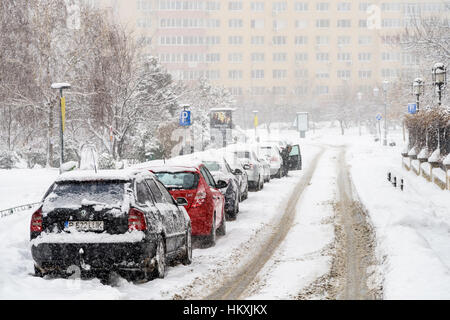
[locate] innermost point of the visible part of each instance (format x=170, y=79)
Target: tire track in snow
x=233, y=289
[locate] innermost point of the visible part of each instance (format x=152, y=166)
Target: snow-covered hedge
x=430, y=129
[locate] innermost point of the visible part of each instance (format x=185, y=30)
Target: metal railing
x=10, y=211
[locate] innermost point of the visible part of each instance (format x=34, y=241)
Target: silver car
x=251, y=164
x=272, y=153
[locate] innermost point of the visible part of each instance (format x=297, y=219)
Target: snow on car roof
x=101, y=175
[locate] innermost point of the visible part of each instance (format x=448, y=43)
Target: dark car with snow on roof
x=119, y=220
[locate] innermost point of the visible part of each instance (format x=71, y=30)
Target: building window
x=279, y=6
x=322, y=40
x=301, y=90
x=257, y=24
x=279, y=40
x=364, y=56
x=301, y=73
x=235, y=40
x=301, y=40
x=344, y=23
x=322, y=75
x=257, y=40
x=322, y=56
x=301, y=24
x=235, y=5
x=322, y=90
x=257, y=57
x=322, y=6
x=365, y=74
x=301, y=56
x=236, y=91
x=365, y=40
x=279, y=57
x=344, y=6
x=279, y=24
x=301, y=6
x=344, y=56
x=344, y=74
x=279, y=74
x=257, y=6
x=235, y=23
x=235, y=57
x=144, y=5
x=322, y=23
x=344, y=41
x=212, y=5
x=235, y=74
x=258, y=74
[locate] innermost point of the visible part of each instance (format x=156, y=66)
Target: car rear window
x=75, y=194
x=178, y=180
x=242, y=154
x=212, y=165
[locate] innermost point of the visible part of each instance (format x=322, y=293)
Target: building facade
x=278, y=52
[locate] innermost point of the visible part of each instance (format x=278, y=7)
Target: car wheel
x=38, y=272
x=211, y=239
x=161, y=262
x=187, y=259
x=279, y=174
x=222, y=230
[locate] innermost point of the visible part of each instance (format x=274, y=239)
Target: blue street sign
x=412, y=108
x=185, y=118
x=379, y=117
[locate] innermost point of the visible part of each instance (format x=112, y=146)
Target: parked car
x=240, y=173
x=123, y=220
x=205, y=203
x=249, y=160
x=221, y=170
x=273, y=155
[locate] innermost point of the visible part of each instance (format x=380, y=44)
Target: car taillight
x=199, y=199
x=274, y=159
x=36, y=221
x=136, y=220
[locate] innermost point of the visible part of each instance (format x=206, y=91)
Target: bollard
x=389, y=176
x=395, y=182
x=401, y=184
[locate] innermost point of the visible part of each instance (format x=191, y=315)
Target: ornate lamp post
x=418, y=89
x=439, y=75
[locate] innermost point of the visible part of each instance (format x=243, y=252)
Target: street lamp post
x=418, y=90
x=62, y=105
x=385, y=88
x=359, y=95
x=439, y=74
x=376, y=91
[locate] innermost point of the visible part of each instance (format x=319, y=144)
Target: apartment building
x=278, y=52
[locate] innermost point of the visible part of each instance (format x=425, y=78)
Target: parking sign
x=412, y=108
x=185, y=118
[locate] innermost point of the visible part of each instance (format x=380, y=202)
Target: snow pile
x=447, y=160
x=423, y=154
x=435, y=156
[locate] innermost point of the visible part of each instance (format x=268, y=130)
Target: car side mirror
x=221, y=184
x=237, y=171
x=246, y=167
x=182, y=201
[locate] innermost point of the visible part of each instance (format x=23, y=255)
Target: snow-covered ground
x=230, y=252
x=412, y=232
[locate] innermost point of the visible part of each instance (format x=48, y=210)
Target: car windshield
x=178, y=180
x=213, y=165
x=76, y=194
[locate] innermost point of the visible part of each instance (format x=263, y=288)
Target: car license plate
x=85, y=225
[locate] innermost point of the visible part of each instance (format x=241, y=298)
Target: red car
x=195, y=187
